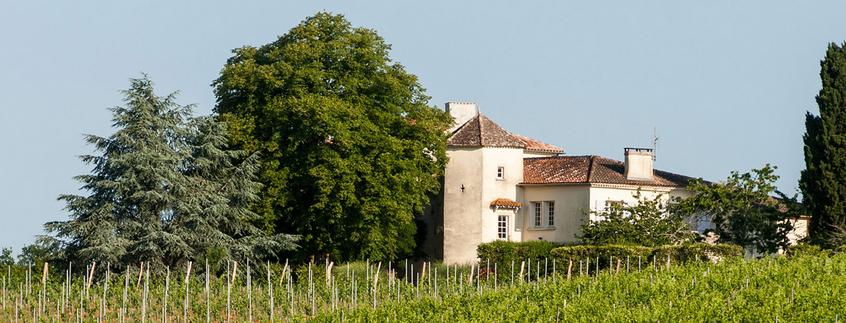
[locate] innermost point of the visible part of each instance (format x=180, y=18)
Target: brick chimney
x=638, y=164
x=461, y=112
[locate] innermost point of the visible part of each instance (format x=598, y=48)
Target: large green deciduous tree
x=165, y=189
x=823, y=182
x=351, y=151
x=743, y=209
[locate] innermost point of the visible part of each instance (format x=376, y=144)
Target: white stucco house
x=503, y=186
x=499, y=185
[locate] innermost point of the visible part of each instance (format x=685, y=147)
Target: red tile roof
x=483, y=132
x=505, y=203
x=590, y=169
x=538, y=146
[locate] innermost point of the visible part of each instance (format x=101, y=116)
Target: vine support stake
x=187, y=293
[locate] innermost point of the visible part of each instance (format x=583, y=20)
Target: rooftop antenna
x=654, y=143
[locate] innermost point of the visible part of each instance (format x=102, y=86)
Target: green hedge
x=677, y=253
x=698, y=252
x=805, y=249
x=577, y=253
x=503, y=252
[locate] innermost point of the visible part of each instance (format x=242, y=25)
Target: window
x=518, y=221
x=550, y=209
x=500, y=173
x=502, y=227
x=543, y=214
x=536, y=208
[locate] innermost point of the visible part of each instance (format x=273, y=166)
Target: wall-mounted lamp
x=462, y=188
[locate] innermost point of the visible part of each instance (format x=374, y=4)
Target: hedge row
x=603, y=251
x=675, y=253
x=503, y=252
x=698, y=252
x=806, y=249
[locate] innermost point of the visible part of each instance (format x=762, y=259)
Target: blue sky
x=725, y=83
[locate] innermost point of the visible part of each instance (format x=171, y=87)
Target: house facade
x=503, y=186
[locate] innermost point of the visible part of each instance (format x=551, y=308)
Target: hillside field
x=774, y=289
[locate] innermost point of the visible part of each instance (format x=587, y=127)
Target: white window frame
x=537, y=212
x=518, y=221
x=502, y=227
x=550, y=212
x=500, y=173
x=542, y=214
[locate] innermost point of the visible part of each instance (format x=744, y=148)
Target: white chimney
x=461, y=112
x=638, y=164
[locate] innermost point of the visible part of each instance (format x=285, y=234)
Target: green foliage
x=504, y=252
x=806, y=249
x=350, y=150
x=44, y=249
x=577, y=253
x=823, y=182
x=164, y=189
x=784, y=290
x=698, y=252
x=678, y=253
x=6, y=257
x=743, y=210
x=647, y=223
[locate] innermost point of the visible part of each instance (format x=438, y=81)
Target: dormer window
x=500, y=173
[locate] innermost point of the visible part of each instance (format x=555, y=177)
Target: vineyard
x=772, y=289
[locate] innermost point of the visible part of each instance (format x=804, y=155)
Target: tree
x=743, y=210
x=44, y=249
x=823, y=182
x=6, y=257
x=227, y=184
x=647, y=223
x=164, y=190
x=351, y=151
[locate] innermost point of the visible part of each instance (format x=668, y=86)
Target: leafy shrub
x=645, y=223
x=604, y=252
x=504, y=252
x=743, y=210
x=805, y=249
x=677, y=253
x=698, y=252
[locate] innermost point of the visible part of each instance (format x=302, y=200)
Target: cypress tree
x=823, y=182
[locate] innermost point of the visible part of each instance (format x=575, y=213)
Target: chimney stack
x=638, y=164
x=461, y=112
